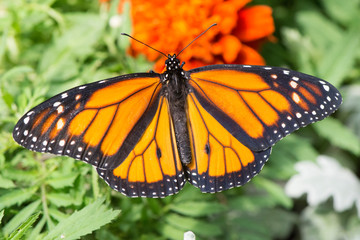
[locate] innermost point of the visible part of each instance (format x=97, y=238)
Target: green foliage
x=50, y=46
x=95, y=213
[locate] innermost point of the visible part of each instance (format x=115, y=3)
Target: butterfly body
x=147, y=134
x=175, y=90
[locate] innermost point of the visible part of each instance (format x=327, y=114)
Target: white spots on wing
x=295, y=78
x=26, y=120
x=283, y=125
x=298, y=115
x=267, y=68
x=82, y=87
x=72, y=142
x=328, y=98
x=77, y=97
x=26, y=132
x=322, y=106
x=60, y=124
x=313, y=112
x=273, y=76
x=62, y=143
x=45, y=142
x=60, y=109
x=80, y=149
x=34, y=139
x=326, y=87
x=322, y=82
x=286, y=72
x=246, y=66
x=296, y=97
x=64, y=95
x=102, y=81
x=293, y=84
x=56, y=104
x=30, y=113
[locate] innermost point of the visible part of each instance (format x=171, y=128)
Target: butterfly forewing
x=92, y=122
x=260, y=105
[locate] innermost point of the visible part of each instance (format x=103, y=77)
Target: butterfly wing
x=153, y=168
x=260, y=105
x=98, y=123
x=219, y=161
x=236, y=113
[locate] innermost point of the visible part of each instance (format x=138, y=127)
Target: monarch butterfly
x=149, y=133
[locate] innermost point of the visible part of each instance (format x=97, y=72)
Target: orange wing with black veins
x=153, y=168
x=260, y=105
x=98, y=123
x=220, y=161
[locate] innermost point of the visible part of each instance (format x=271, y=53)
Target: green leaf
x=339, y=58
x=343, y=11
x=197, y=226
x=17, y=196
x=197, y=209
x=60, y=199
x=351, y=107
x=1, y=215
x=171, y=232
x=276, y=192
x=311, y=21
x=338, y=135
x=6, y=183
x=36, y=231
x=23, y=228
x=21, y=216
x=64, y=53
x=285, y=154
x=86, y=220
x=324, y=180
x=13, y=72
x=266, y=223
x=60, y=181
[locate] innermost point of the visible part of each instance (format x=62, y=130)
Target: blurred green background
x=310, y=188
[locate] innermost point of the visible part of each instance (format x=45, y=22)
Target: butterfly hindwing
x=260, y=105
x=94, y=121
x=220, y=161
x=153, y=167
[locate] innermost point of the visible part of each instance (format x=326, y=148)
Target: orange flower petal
x=254, y=23
x=229, y=47
x=228, y=16
x=170, y=28
x=249, y=56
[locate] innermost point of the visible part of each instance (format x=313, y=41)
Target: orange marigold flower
x=170, y=25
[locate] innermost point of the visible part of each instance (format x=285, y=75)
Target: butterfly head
x=173, y=63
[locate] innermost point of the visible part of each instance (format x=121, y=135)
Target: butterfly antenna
x=125, y=34
x=196, y=38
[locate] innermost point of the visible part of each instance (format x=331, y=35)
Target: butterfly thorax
x=175, y=90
